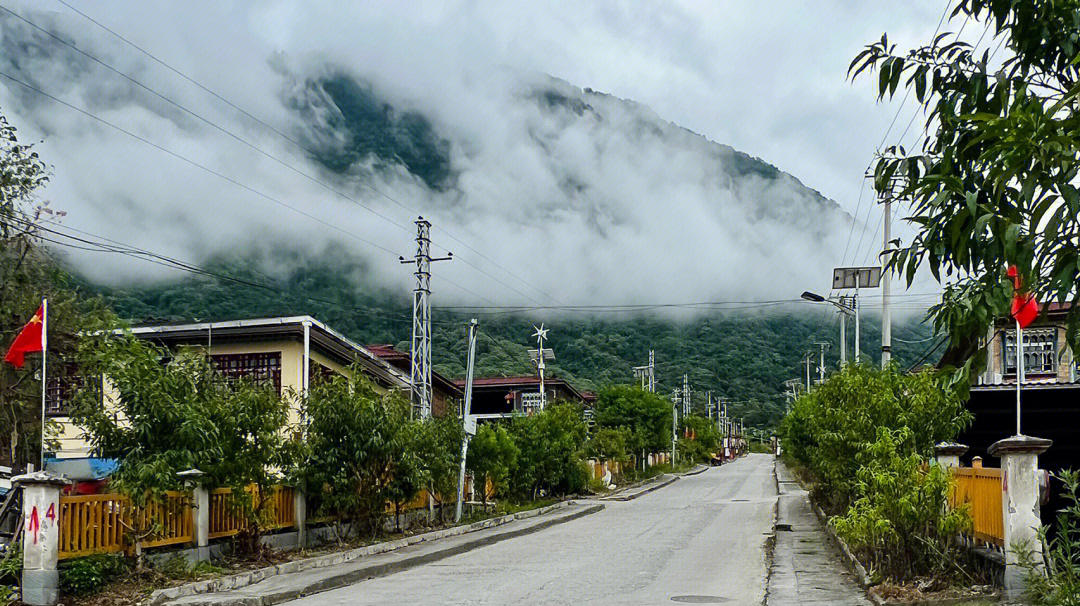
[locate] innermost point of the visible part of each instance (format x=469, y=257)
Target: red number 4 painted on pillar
x=51, y=514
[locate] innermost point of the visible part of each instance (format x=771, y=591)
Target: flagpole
x=1019, y=370
x=44, y=354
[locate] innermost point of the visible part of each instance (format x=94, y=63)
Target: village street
x=702, y=537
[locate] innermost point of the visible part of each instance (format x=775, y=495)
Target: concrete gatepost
x=41, y=536
x=948, y=453
x=300, y=516
x=1020, y=505
x=200, y=511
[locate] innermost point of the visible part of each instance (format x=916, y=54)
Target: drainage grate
x=700, y=599
x=783, y=527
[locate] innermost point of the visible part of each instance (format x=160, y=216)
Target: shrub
x=356, y=436
x=551, y=444
x=1059, y=581
x=699, y=439
x=84, y=576
x=492, y=454
x=900, y=524
x=832, y=429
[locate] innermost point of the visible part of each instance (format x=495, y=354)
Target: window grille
x=261, y=368
x=1040, y=352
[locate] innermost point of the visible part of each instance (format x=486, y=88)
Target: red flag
x=1024, y=306
x=30, y=339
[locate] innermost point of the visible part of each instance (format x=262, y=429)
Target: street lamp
x=845, y=311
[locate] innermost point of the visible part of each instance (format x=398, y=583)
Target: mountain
x=744, y=356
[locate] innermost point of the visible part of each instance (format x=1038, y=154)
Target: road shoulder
x=806, y=568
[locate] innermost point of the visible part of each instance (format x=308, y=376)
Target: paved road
x=701, y=538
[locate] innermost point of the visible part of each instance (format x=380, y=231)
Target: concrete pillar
x=1019, y=504
x=300, y=518
x=200, y=511
x=948, y=453
x=41, y=540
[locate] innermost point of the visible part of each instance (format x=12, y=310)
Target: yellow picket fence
x=108, y=523
x=980, y=489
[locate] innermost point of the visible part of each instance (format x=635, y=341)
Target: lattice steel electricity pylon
x=420, y=374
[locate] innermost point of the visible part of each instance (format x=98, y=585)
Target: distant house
x=446, y=395
x=1049, y=393
x=504, y=396
x=272, y=351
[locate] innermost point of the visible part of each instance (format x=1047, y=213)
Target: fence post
x=41, y=540
x=200, y=503
x=948, y=453
x=1020, y=505
x=300, y=516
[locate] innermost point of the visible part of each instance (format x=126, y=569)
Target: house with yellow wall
x=286, y=352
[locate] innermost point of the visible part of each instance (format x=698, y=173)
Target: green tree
x=699, y=439
x=550, y=443
x=355, y=435
x=492, y=455
x=441, y=456
x=995, y=184
x=833, y=428
x=164, y=412
x=608, y=444
x=27, y=275
x=900, y=524
x=643, y=415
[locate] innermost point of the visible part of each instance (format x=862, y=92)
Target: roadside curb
x=212, y=587
x=695, y=471
x=852, y=561
x=656, y=485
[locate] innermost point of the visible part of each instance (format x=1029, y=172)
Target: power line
x=194, y=163
x=112, y=246
x=298, y=145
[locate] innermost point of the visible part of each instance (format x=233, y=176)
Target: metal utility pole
x=886, y=196
x=686, y=394
x=420, y=375
x=821, y=367
x=674, y=423
x=807, y=361
x=708, y=404
x=647, y=373
x=541, y=355
x=468, y=421
x=652, y=371
x=886, y=286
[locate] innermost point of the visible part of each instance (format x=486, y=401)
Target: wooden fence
x=108, y=523
x=980, y=489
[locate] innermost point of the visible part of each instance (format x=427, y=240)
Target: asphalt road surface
x=700, y=540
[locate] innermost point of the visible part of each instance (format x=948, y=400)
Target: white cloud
x=655, y=221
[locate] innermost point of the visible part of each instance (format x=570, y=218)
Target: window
x=63, y=382
x=1040, y=352
x=261, y=368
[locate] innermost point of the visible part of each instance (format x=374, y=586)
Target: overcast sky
x=765, y=77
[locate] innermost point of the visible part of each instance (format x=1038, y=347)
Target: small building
x=273, y=351
x=504, y=396
x=1048, y=395
x=446, y=395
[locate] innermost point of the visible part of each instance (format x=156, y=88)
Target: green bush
x=699, y=438
x=900, y=525
x=84, y=576
x=832, y=429
x=492, y=454
x=551, y=444
x=1059, y=581
x=865, y=435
